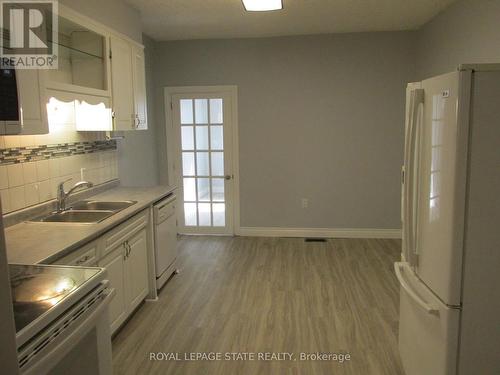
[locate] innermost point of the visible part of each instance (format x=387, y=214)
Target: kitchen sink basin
x=74, y=216
x=102, y=205
x=86, y=212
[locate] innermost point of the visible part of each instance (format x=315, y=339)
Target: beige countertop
x=29, y=243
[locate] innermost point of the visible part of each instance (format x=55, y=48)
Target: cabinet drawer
x=123, y=231
x=84, y=256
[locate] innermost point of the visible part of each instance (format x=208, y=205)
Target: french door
x=202, y=122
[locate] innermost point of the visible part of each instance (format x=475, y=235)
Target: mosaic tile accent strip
x=33, y=153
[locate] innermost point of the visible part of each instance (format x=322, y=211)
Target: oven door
x=77, y=343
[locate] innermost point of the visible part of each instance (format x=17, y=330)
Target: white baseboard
x=319, y=232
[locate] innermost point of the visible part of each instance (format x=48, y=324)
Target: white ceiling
x=209, y=19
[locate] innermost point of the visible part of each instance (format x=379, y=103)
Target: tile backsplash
x=30, y=183
x=43, y=152
x=31, y=166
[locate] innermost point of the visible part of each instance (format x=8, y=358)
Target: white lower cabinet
x=123, y=251
x=115, y=265
x=136, y=267
x=125, y=256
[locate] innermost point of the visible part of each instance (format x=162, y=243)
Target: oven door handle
x=53, y=357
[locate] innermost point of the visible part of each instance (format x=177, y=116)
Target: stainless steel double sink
x=86, y=212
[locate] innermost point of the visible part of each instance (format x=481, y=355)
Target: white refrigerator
x=449, y=273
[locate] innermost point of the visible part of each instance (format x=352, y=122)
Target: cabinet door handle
x=129, y=249
x=83, y=259
x=125, y=255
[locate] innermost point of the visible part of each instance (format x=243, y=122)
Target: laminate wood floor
x=257, y=295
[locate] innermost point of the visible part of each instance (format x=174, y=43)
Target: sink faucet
x=63, y=195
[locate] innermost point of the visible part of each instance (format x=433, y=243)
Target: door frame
x=173, y=143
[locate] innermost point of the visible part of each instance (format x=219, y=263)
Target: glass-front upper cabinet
x=83, y=58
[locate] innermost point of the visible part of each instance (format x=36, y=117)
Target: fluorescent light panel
x=262, y=5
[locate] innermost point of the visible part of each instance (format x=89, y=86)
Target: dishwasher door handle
x=160, y=205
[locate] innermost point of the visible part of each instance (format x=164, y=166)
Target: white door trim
x=173, y=147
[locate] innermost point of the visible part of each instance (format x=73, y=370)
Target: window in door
x=204, y=164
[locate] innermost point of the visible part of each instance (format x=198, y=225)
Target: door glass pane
x=190, y=214
x=187, y=138
x=202, y=164
x=217, y=164
x=202, y=137
x=201, y=111
x=203, y=189
x=218, y=189
x=216, y=138
x=189, y=189
x=186, y=111
x=216, y=111
x=188, y=163
x=202, y=158
x=219, y=214
x=204, y=214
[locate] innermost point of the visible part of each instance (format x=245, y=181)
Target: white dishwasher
x=165, y=230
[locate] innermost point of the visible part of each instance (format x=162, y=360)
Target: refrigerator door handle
x=418, y=300
x=417, y=98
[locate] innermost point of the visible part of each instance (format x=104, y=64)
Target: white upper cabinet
x=128, y=79
x=100, y=71
x=32, y=102
x=121, y=80
x=32, y=109
x=139, y=83
x=83, y=75
x=103, y=70
x=83, y=64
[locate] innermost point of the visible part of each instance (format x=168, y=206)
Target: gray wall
x=467, y=32
x=320, y=117
x=137, y=156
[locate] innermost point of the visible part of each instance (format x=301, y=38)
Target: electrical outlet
x=305, y=202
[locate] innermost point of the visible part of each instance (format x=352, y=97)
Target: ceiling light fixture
x=262, y=5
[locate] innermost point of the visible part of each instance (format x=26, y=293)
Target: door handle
x=228, y=177
x=410, y=203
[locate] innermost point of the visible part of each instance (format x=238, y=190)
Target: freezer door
x=442, y=155
x=428, y=329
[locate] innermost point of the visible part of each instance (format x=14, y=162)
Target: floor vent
x=315, y=240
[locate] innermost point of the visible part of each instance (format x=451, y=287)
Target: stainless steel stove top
x=40, y=293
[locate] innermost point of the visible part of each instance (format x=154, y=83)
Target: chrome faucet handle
x=61, y=195
x=60, y=186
